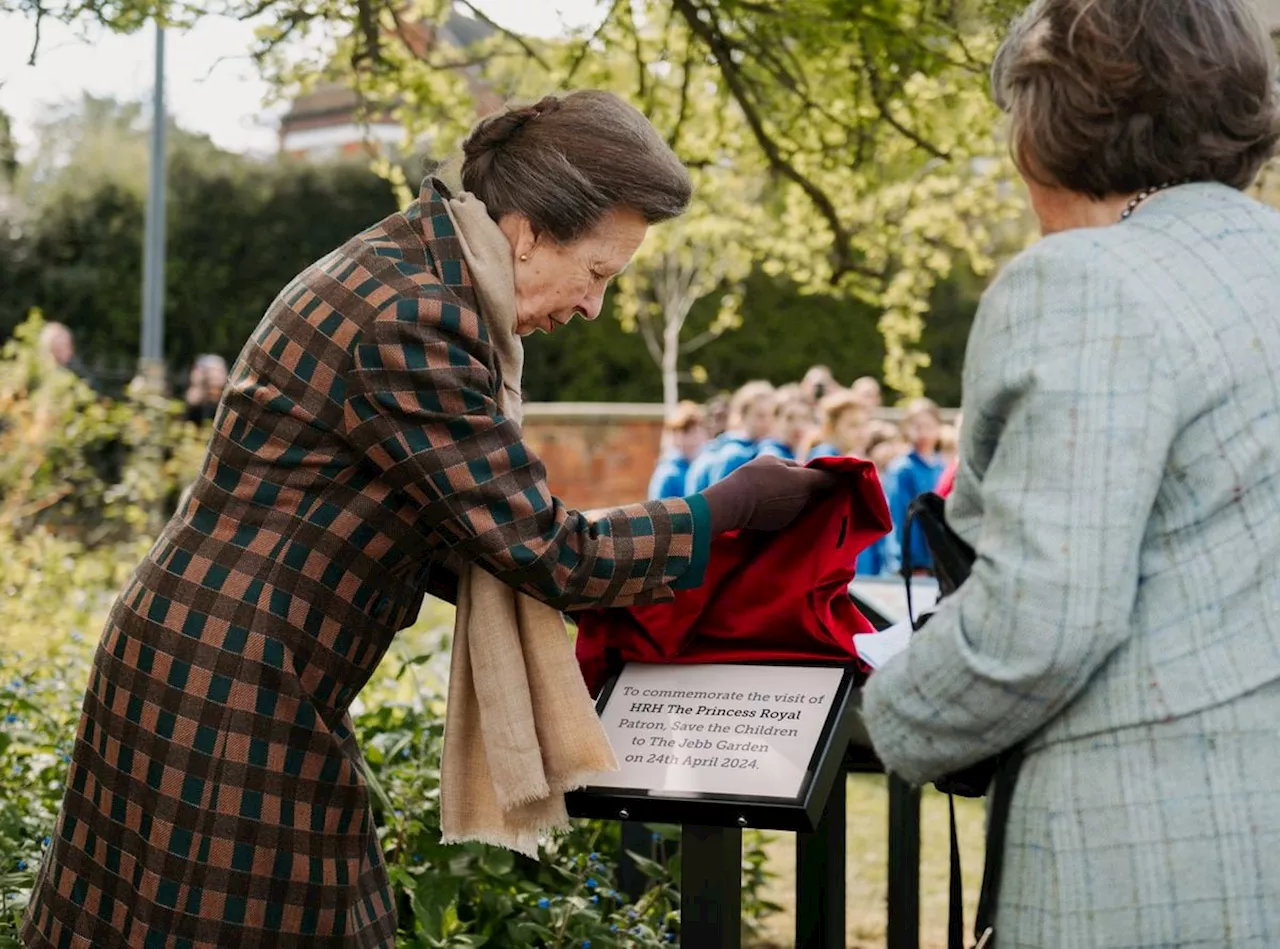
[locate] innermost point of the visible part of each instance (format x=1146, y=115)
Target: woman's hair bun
x=496, y=130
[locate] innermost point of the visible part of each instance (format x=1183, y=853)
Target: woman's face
x=556, y=281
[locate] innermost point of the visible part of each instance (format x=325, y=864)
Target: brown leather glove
x=764, y=495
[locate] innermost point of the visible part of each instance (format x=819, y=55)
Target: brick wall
x=597, y=454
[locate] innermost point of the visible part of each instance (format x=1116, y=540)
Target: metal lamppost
x=151, y=362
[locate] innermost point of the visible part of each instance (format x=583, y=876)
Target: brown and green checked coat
x=215, y=796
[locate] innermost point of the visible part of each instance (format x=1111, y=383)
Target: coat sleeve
x=421, y=407
x=1070, y=413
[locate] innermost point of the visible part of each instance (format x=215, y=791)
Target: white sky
x=210, y=85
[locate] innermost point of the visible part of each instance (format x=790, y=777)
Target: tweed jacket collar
x=430, y=216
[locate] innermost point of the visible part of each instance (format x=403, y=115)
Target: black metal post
x=820, y=877
x=904, y=865
x=636, y=838
x=710, y=887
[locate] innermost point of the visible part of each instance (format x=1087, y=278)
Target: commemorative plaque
x=748, y=745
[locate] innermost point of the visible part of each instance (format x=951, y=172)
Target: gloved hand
x=764, y=495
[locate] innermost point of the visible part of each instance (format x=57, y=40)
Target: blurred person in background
x=58, y=344
x=716, y=415
x=792, y=425
x=882, y=558
x=818, y=383
x=867, y=389
x=750, y=420
x=948, y=479
x=844, y=427
x=912, y=475
x=684, y=435
x=204, y=391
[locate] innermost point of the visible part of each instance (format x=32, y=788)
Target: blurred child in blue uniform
x=843, y=431
x=684, y=434
x=750, y=420
x=915, y=473
x=883, y=557
x=792, y=425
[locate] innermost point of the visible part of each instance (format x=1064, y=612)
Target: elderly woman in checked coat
x=359, y=457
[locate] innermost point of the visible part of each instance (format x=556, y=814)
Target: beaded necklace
x=1145, y=193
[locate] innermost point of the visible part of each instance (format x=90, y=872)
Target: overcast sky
x=210, y=84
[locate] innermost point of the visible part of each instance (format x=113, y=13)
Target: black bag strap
x=1002, y=788
x=955, y=902
x=952, y=561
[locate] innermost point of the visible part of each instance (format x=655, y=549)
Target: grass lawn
x=866, y=887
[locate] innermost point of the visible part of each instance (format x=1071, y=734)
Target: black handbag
x=997, y=775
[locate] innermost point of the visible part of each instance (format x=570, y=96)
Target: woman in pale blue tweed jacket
x=1120, y=481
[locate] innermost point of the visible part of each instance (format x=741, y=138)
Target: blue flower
x=543, y=903
x=656, y=836
x=613, y=927
x=47, y=840
x=632, y=914
x=10, y=718
x=591, y=884
x=22, y=865
x=637, y=931
x=399, y=813
x=586, y=944
x=66, y=759
x=417, y=858
x=595, y=899
x=671, y=937
x=594, y=856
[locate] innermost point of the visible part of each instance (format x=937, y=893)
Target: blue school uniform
x=824, y=450
x=702, y=470
x=771, y=446
x=907, y=478
x=670, y=477
x=880, y=559
x=736, y=451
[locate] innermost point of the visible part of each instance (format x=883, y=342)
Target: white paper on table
x=875, y=649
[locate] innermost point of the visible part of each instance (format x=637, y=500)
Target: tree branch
x=35, y=44
x=648, y=333
x=510, y=34
x=843, y=262
x=882, y=106
x=673, y=139
x=586, y=43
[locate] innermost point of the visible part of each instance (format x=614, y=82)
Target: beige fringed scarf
x=521, y=728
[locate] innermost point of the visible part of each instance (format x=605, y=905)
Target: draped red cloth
x=767, y=596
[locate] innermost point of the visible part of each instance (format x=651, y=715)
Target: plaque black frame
x=800, y=813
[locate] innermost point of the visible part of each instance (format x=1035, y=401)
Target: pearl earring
x=524, y=256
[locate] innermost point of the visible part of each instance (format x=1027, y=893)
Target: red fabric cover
x=768, y=597
x=948, y=480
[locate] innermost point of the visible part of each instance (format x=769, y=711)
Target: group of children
x=815, y=419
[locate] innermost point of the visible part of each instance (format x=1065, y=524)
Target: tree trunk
x=671, y=362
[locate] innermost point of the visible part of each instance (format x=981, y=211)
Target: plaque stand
x=711, y=886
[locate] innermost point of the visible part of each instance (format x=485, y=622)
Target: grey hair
x=1109, y=97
